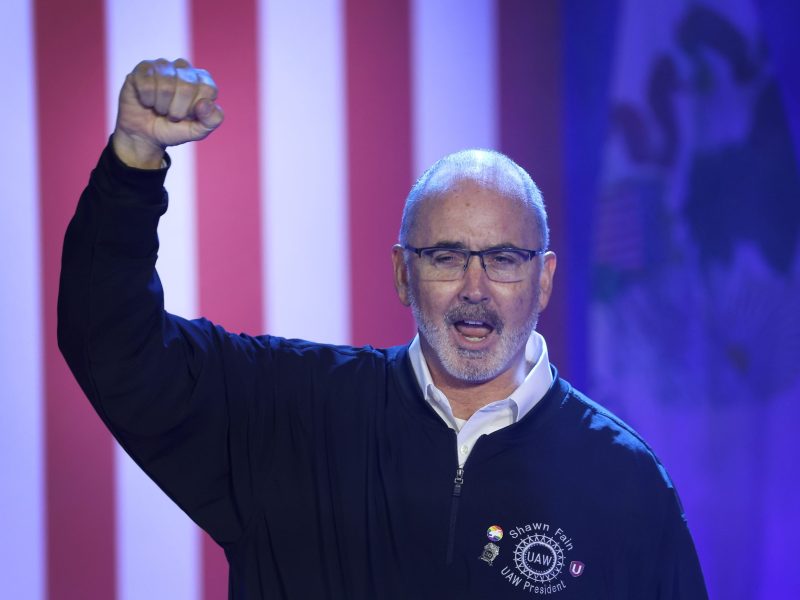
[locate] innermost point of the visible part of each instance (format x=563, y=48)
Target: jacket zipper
x=458, y=483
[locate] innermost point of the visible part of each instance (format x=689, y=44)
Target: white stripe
x=303, y=154
x=158, y=546
x=454, y=78
x=22, y=553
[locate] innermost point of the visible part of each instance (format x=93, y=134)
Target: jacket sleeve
x=161, y=384
x=677, y=566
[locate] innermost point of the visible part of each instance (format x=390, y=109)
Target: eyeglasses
x=505, y=265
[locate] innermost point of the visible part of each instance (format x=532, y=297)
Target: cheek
x=522, y=303
x=433, y=301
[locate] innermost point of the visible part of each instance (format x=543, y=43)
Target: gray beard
x=474, y=366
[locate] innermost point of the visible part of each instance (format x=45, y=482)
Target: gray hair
x=487, y=166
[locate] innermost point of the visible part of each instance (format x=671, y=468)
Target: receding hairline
x=485, y=167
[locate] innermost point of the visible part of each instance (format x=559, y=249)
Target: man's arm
x=680, y=576
x=160, y=383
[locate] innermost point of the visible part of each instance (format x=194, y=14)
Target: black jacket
x=322, y=471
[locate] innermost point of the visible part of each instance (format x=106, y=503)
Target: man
x=460, y=466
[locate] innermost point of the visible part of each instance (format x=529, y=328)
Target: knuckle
x=169, y=71
x=206, y=90
x=163, y=70
x=166, y=84
x=143, y=73
x=205, y=77
x=142, y=66
x=186, y=77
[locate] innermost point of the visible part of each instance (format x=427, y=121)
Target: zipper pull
x=458, y=482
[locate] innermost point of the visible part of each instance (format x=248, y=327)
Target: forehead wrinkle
x=464, y=196
x=506, y=245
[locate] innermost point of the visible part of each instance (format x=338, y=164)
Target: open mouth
x=473, y=331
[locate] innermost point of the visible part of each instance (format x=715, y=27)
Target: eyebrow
x=463, y=246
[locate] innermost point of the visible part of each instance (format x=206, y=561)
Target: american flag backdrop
x=282, y=221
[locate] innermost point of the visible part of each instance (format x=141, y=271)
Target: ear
x=400, y=274
x=546, y=278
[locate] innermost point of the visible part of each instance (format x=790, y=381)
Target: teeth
x=474, y=339
x=479, y=323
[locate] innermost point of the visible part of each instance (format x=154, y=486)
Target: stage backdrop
x=665, y=138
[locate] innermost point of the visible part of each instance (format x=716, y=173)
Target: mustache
x=474, y=312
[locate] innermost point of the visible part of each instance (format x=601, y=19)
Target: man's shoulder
x=596, y=431
x=598, y=418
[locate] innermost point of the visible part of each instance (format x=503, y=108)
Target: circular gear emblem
x=539, y=557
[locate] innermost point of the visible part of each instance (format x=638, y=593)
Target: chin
x=472, y=370
x=475, y=365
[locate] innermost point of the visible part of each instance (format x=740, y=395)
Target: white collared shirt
x=494, y=415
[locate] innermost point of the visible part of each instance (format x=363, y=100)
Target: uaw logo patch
x=539, y=562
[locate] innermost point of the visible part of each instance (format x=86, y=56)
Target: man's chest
x=510, y=523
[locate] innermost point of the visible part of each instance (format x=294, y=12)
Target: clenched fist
x=162, y=104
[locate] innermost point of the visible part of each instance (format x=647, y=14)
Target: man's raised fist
x=162, y=104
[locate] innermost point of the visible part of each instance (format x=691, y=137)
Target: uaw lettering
x=539, y=559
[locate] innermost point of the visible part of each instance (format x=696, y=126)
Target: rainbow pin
x=495, y=533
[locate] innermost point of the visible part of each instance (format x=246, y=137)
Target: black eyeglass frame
x=530, y=254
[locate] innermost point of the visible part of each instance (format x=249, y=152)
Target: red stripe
x=228, y=194
x=530, y=70
x=71, y=105
x=379, y=162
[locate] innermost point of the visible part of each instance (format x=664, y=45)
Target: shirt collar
x=523, y=399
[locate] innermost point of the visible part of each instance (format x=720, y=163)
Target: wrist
x=136, y=152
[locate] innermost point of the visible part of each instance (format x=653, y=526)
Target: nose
x=475, y=282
